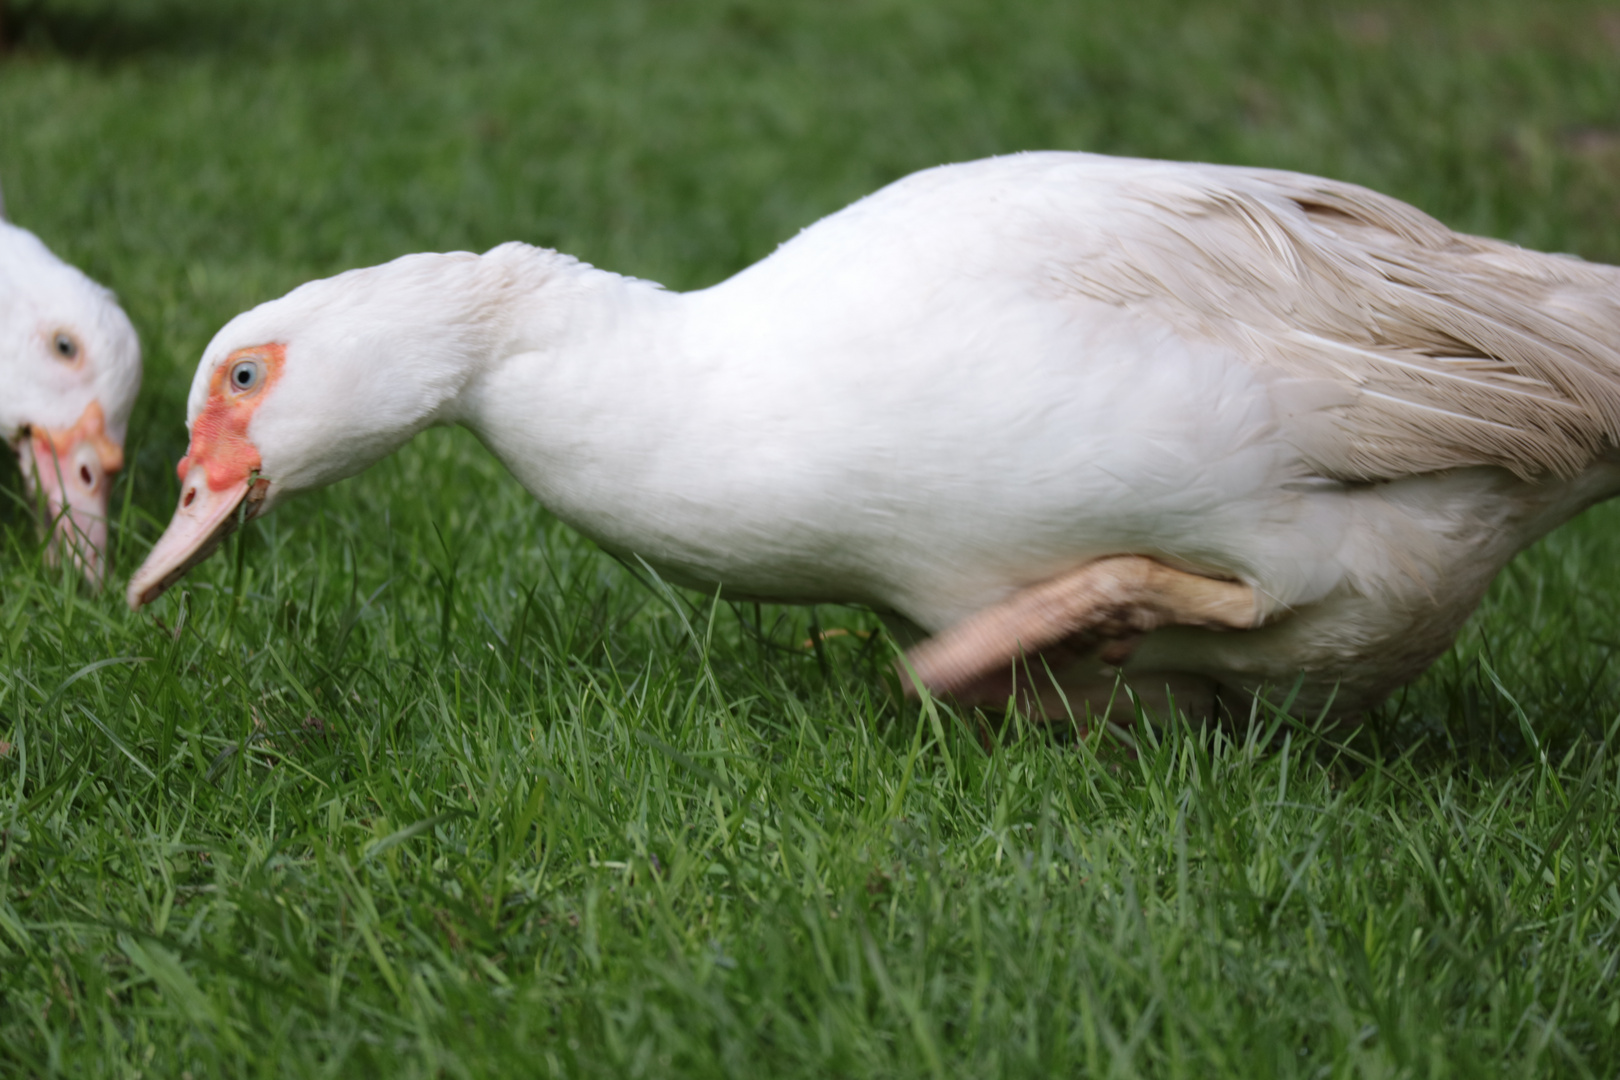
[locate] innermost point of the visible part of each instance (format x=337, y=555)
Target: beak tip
x=143, y=589
x=200, y=524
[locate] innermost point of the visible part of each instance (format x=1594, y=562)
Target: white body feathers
x=987, y=374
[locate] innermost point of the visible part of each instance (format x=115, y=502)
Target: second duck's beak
x=202, y=521
x=72, y=470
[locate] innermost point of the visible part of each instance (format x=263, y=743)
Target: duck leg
x=1109, y=601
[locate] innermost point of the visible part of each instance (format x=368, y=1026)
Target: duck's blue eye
x=246, y=375
x=66, y=345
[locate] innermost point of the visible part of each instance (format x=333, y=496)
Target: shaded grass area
x=415, y=780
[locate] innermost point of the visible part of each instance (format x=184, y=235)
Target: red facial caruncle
x=72, y=469
x=219, y=471
x=219, y=438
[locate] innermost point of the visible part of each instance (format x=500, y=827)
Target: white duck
x=1220, y=428
x=70, y=367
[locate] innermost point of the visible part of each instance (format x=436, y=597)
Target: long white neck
x=564, y=335
x=589, y=380
x=718, y=434
x=384, y=352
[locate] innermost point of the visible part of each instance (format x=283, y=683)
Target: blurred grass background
x=416, y=780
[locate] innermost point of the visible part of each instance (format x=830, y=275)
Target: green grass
x=423, y=785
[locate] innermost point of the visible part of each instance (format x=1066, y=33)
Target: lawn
x=413, y=781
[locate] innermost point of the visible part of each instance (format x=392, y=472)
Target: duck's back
x=916, y=388
x=1428, y=349
x=1030, y=359
x=987, y=374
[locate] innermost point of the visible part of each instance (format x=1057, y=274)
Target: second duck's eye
x=65, y=345
x=246, y=375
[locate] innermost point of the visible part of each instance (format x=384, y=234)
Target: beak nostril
x=191, y=494
x=85, y=475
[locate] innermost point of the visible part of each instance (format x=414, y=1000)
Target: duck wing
x=1399, y=346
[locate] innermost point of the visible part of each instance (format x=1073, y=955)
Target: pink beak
x=72, y=470
x=201, y=523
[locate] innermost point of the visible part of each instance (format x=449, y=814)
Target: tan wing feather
x=1399, y=346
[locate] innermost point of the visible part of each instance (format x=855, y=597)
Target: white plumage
x=988, y=376
x=70, y=367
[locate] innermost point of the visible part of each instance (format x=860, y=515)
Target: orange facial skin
x=72, y=469
x=216, y=475
x=91, y=428
x=219, y=438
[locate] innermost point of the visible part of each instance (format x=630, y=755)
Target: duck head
x=304, y=391
x=70, y=367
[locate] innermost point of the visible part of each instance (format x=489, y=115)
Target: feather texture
x=986, y=376
x=1402, y=347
